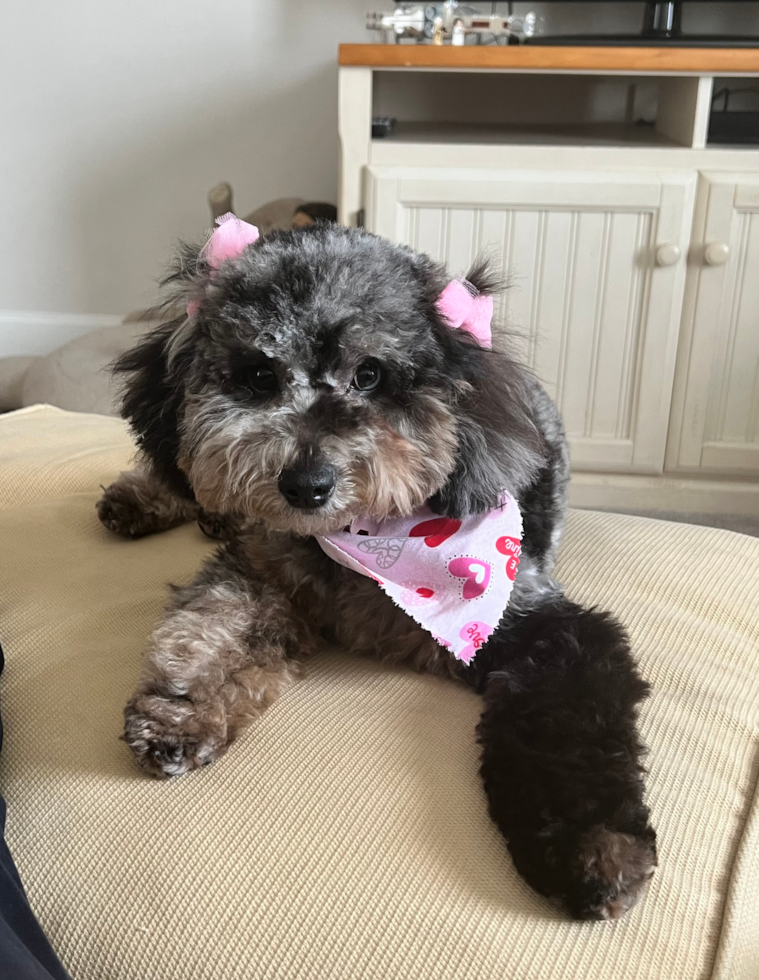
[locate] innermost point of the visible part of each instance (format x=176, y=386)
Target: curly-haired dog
x=313, y=380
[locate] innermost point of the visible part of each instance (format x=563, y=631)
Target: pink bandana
x=453, y=577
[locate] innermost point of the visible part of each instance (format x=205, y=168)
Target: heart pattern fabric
x=476, y=574
x=435, y=532
x=453, y=577
x=386, y=551
x=512, y=548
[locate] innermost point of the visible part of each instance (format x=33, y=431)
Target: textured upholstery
x=346, y=836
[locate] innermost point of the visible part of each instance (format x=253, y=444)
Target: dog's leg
x=220, y=657
x=138, y=503
x=561, y=756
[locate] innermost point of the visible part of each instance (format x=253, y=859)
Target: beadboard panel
x=718, y=426
x=588, y=308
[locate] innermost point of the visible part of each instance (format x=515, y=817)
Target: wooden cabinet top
x=632, y=60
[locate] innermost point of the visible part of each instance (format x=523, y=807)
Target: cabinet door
x=716, y=412
x=591, y=310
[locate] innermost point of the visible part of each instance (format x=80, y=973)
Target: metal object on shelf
x=382, y=126
x=449, y=21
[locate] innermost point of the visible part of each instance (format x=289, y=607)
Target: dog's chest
x=342, y=605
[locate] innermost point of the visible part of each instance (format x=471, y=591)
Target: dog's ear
x=152, y=399
x=500, y=447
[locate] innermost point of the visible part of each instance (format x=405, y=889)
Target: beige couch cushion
x=346, y=836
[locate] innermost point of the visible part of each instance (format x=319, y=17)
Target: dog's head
x=315, y=380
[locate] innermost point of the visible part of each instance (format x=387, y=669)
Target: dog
x=314, y=379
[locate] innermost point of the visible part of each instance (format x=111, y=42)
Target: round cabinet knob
x=667, y=254
x=717, y=253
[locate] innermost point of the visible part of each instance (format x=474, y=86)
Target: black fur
x=561, y=752
x=152, y=400
x=493, y=454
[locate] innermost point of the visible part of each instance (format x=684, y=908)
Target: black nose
x=307, y=486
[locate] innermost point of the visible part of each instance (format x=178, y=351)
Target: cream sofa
x=346, y=836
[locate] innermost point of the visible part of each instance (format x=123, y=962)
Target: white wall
x=117, y=116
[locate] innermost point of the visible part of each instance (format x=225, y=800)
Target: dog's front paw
x=172, y=736
x=600, y=874
x=121, y=515
x=133, y=507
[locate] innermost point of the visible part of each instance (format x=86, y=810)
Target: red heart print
x=436, y=531
x=476, y=575
x=476, y=633
x=512, y=548
x=509, y=546
x=426, y=593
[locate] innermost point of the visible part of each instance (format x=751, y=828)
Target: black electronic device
x=662, y=25
x=730, y=125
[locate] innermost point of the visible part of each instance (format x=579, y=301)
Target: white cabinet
x=597, y=265
x=716, y=420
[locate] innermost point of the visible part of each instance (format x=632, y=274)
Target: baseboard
x=25, y=333
x=606, y=491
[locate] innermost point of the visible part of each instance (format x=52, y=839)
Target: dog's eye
x=368, y=377
x=262, y=380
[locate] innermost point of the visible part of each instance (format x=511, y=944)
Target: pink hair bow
x=465, y=309
x=229, y=239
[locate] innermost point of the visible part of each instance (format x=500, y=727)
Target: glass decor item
x=454, y=23
x=449, y=22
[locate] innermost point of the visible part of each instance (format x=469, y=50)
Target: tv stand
x=661, y=25
x=632, y=246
